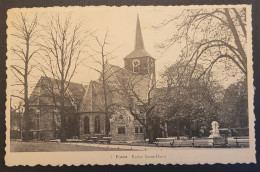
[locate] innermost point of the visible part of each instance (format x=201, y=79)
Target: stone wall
x=46, y=116
x=126, y=121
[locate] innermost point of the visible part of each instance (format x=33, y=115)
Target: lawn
x=53, y=147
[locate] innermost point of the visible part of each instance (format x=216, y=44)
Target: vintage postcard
x=130, y=85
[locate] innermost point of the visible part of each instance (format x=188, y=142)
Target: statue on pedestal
x=214, y=132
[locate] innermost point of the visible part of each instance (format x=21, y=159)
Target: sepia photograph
x=129, y=85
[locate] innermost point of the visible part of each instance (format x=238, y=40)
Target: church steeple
x=139, y=61
x=139, y=43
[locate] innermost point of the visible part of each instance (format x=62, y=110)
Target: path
x=126, y=147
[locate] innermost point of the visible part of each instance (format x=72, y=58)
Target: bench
x=55, y=140
x=183, y=143
x=164, y=141
x=105, y=140
x=91, y=139
x=242, y=141
x=202, y=142
x=74, y=139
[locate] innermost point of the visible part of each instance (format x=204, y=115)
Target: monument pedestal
x=220, y=141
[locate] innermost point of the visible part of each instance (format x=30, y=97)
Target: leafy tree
x=235, y=106
x=189, y=99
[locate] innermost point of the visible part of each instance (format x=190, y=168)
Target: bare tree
x=63, y=44
x=25, y=36
x=137, y=92
x=211, y=36
x=101, y=56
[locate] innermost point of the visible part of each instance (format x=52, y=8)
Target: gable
x=46, y=90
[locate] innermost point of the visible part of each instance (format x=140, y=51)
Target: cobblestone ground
x=54, y=147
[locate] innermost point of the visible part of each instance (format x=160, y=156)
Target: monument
x=214, y=132
x=217, y=139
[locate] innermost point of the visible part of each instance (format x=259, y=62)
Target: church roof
x=92, y=99
x=139, y=50
x=47, y=87
x=117, y=78
x=138, y=53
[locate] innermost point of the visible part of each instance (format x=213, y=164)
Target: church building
x=85, y=104
x=140, y=66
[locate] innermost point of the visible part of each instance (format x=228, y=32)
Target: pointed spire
x=139, y=43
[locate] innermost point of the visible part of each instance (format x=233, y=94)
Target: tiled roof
x=77, y=91
x=116, y=80
x=138, y=53
x=43, y=90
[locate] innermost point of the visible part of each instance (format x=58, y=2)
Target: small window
x=86, y=125
x=136, y=129
x=97, y=124
x=141, y=129
x=136, y=66
x=121, y=130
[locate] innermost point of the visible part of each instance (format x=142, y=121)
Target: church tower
x=139, y=61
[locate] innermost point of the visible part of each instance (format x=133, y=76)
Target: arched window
x=136, y=66
x=86, y=125
x=97, y=124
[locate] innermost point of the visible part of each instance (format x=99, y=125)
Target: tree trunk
x=54, y=125
x=107, y=125
x=190, y=131
x=26, y=101
x=62, y=111
x=26, y=133
x=237, y=40
x=146, y=133
x=178, y=130
x=151, y=135
x=63, y=128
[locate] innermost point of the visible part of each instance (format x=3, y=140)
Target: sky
x=121, y=24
